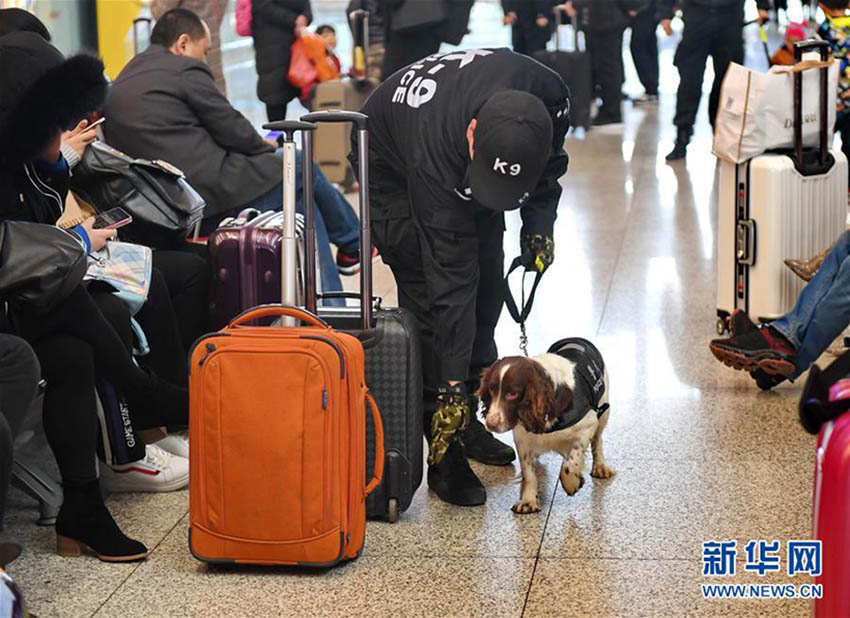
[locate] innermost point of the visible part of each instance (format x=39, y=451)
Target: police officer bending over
x=712, y=28
x=456, y=140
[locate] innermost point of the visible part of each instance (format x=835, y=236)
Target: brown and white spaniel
x=553, y=402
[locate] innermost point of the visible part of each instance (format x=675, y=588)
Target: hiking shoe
x=483, y=446
x=763, y=348
x=740, y=323
x=454, y=481
x=765, y=381
x=349, y=263
x=158, y=471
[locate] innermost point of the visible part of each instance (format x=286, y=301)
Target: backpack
x=243, y=17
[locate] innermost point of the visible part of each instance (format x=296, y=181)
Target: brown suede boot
x=806, y=269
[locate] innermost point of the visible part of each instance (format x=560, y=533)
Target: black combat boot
x=683, y=138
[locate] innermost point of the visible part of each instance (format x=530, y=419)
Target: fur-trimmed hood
x=40, y=93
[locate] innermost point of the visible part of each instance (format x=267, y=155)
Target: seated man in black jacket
x=165, y=105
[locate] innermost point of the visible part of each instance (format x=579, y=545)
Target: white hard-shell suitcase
x=776, y=207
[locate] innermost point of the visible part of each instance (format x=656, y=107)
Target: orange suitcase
x=278, y=434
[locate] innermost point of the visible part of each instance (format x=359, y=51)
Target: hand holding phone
x=112, y=219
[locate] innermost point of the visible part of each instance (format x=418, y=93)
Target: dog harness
x=589, y=378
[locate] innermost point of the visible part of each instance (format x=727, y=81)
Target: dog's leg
x=572, y=470
x=528, y=502
x=601, y=469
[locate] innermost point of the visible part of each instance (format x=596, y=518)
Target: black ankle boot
x=84, y=521
x=683, y=138
x=454, y=481
x=480, y=445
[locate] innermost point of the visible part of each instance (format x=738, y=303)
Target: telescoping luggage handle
x=560, y=11
x=823, y=151
x=360, y=64
x=289, y=241
x=360, y=122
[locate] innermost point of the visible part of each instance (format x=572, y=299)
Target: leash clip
x=523, y=339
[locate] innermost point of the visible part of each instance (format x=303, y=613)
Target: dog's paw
x=572, y=483
x=602, y=471
x=524, y=507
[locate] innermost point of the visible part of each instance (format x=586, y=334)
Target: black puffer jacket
x=41, y=94
x=273, y=25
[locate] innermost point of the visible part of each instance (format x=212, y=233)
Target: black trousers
x=399, y=241
x=74, y=343
x=644, y=48
x=19, y=376
x=408, y=47
x=606, y=58
x=187, y=277
x=708, y=32
x=529, y=38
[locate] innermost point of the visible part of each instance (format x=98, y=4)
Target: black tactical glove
x=450, y=418
x=538, y=251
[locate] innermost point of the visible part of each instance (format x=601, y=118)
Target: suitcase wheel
x=392, y=510
x=722, y=326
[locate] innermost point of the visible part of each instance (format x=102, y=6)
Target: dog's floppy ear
x=484, y=384
x=538, y=401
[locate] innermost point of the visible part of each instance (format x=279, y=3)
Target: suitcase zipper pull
x=210, y=350
x=324, y=399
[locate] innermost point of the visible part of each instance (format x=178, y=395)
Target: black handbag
x=40, y=265
x=164, y=206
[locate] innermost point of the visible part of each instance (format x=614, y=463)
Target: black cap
x=513, y=142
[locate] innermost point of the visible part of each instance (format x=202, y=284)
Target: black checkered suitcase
x=391, y=341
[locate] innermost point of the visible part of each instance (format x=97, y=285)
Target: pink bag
x=302, y=71
x=825, y=405
x=243, y=17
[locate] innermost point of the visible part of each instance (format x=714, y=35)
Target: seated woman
x=42, y=93
x=787, y=347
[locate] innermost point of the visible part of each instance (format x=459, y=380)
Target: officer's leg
x=690, y=59
x=518, y=38
x=536, y=39
x=608, y=61
x=727, y=46
x=398, y=242
x=478, y=442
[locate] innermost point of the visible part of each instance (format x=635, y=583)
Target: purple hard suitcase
x=245, y=258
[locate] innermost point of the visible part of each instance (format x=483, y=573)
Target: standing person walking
x=644, y=49
x=604, y=22
x=275, y=25
x=212, y=12
x=712, y=28
x=531, y=23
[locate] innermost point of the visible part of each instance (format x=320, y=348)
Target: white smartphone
x=95, y=123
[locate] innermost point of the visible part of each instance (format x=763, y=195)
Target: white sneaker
x=176, y=443
x=158, y=471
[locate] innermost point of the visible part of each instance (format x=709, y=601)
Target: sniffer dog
x=558, y=402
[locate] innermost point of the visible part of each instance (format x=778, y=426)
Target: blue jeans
x=822, y=310
x=335, y=221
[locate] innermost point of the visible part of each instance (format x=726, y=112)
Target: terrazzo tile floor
x=701, y=454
